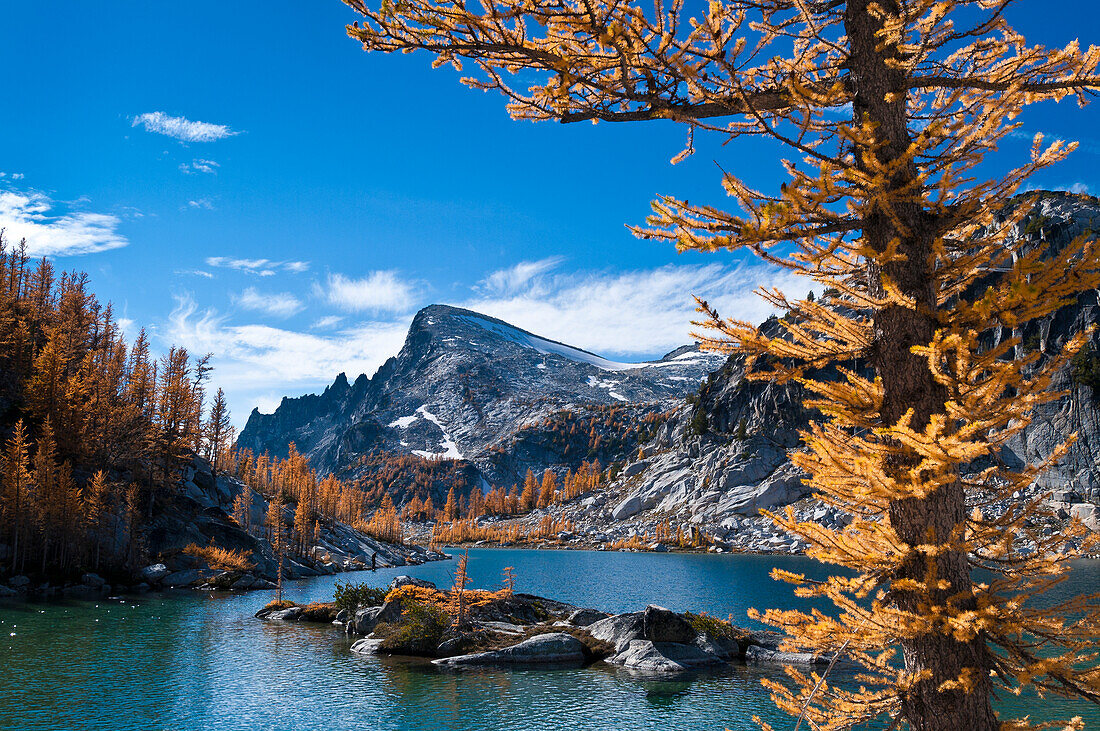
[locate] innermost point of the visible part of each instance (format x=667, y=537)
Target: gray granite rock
x=662, y=657
x=554, y=648
x=585, y=617
x=661, y=625
x=154, y=573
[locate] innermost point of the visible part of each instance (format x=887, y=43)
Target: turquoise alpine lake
x=190, y=661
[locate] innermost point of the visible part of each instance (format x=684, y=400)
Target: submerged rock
x=760, y=655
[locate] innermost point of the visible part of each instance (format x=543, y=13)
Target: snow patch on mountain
x=450, y=449
x=551, y=347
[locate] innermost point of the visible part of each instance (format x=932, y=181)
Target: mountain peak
x=467, y=383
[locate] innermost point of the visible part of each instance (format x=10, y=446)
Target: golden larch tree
x=888, y=109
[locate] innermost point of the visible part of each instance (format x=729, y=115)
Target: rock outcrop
x=552, y=648
x=511, y=630
x=723, y=456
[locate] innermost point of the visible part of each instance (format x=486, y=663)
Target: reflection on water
x=194, y=661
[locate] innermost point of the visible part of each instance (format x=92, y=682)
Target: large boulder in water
x=290, y=614
x=366, y=646
x=154, y=573
x=556, y=648
x=662, y=657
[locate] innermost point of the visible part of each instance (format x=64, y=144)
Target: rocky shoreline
x=504, y=629
x=191, y=523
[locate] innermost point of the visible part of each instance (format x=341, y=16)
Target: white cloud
x=378, y=291
x=279, y=304
x=326, y=322
x=513, y=278
x=259, y=267
x=181, y=128
x=203, y=203
x=255, y=363
x=196, y=273
x=50, y=233
x=635, y=314
x=199, y=166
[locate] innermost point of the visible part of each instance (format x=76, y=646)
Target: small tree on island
x=890, y=107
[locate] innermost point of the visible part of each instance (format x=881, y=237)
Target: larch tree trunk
x=880, y=98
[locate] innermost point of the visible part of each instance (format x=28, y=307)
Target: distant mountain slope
x=464, y=386
x=724, y=455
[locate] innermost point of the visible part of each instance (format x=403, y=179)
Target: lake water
x=193, y=661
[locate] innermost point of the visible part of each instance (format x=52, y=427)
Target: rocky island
x=462, y=628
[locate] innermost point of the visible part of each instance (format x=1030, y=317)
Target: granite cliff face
x=470, y=387
x=722, y=457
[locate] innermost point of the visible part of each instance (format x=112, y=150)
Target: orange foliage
x=468, y=531
x=221, y=559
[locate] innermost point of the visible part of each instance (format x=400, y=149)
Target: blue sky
x=328, y=194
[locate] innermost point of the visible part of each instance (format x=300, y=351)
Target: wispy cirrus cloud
x=259, y=267
x=326, y=322
x=277, y=304
x=51, y=232
x=517, y=276
x=199, y=166
x=378, y=291
x=639, y=313
x=181, y=128
x=196, y=273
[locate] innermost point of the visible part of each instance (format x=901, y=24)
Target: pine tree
x=889, y=108
x=450, y=508
x=96, y=496
x=17, y=484
x=218, y=432
x=458, y=591
x=548, y=491
x=242, y=508
x=509, y=583
x=529, y=498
